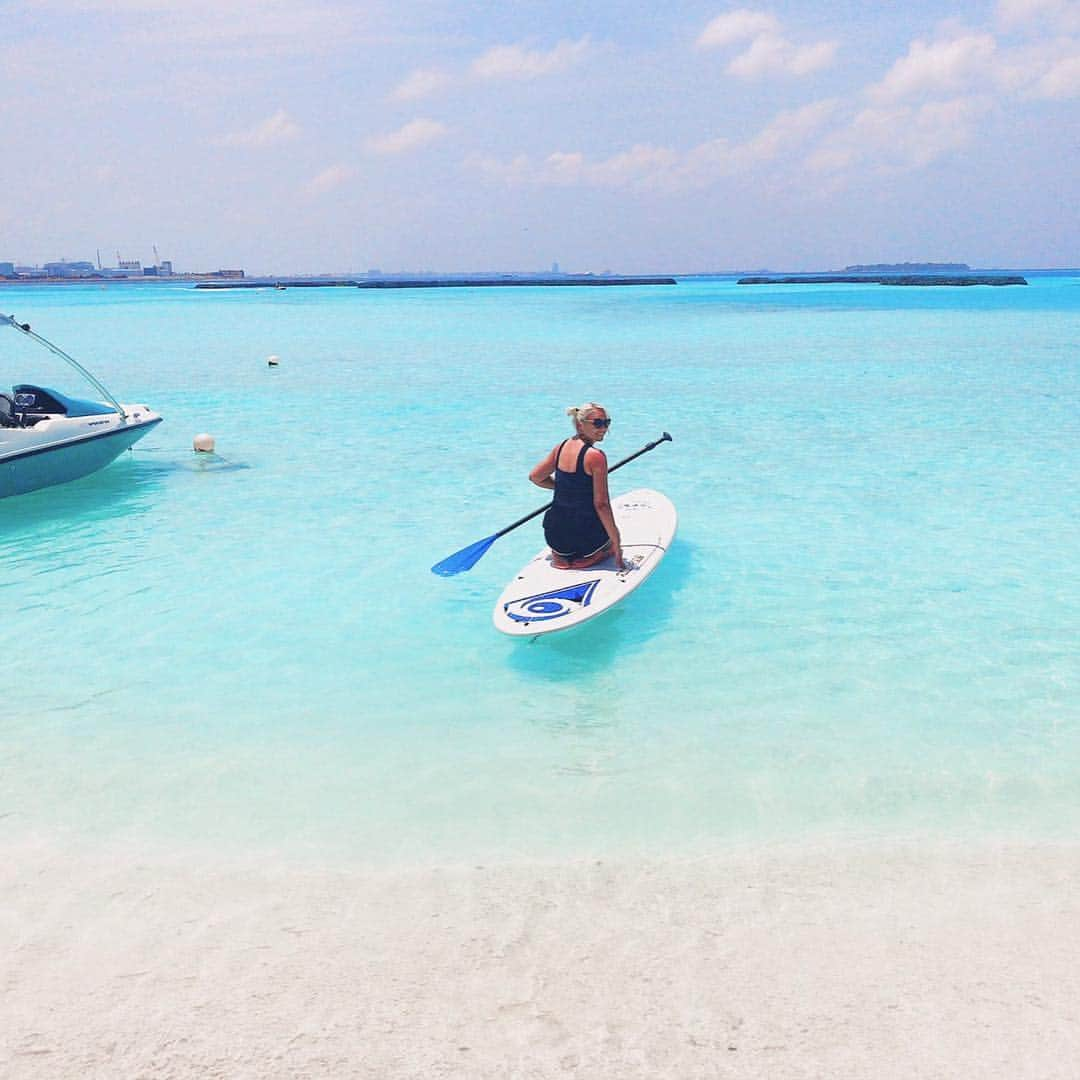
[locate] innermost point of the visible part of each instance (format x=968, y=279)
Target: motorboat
x=49, y=438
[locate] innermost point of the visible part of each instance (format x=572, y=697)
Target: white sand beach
x=905, y=960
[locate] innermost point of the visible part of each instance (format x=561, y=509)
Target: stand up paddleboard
x=542, y=599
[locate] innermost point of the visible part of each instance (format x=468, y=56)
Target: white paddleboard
x=542, y=598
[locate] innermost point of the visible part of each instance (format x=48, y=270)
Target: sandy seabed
x=931, y=959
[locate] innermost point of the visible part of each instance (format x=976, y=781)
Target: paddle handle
x=644, y=450
x=618, y=465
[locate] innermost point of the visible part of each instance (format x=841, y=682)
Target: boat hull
x=56, y=452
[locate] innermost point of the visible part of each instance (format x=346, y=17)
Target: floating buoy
x=204, y=444
x=273, y=361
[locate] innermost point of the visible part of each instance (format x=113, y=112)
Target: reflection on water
x=167, y=460
x=587, y=700
x=127, y=486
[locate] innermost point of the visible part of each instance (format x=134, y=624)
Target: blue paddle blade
x=465, y=559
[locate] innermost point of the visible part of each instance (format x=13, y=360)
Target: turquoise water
x=868, y=623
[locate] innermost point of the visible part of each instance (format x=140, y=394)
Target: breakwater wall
x=886, y=279
x=480, y=282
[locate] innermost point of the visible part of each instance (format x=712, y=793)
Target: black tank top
x=573, y=490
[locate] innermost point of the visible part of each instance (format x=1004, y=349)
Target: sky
x=328, y=136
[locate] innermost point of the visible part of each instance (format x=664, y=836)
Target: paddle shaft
x=618, y=465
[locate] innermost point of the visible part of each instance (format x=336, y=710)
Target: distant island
x=907, y=273
x=909, y=268
x=886, y=279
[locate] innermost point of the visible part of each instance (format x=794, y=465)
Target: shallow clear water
x=868, y=621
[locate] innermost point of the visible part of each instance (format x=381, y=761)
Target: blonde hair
x=579, y=412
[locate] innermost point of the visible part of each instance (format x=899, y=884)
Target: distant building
x=68, y=269
x=554, y=267
x=7, y=269
x=129, y=264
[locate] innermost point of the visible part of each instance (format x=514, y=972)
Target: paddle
x=468, y=557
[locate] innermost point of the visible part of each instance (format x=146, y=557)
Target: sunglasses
x=606, y=422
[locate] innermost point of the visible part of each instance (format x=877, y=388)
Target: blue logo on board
x=551, y=605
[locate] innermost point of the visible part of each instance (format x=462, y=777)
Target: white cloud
x=421, y=83
x=640, y=166
x=1012, y=12
x=771, y=55
x=498, y=62
x=790, y=129
x=784, y=135
x=900, y=138
x=414, y=134
x=1042, y=68
x=652, y=167
x=769, y=52
x=938, y=67
x=930, y=102
x=328, y=179
x=516, y=62
x=1062, y=14
x=274, y=129
x=1062, y=80
x=734, y=26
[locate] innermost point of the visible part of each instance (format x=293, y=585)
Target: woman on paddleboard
x=580, y=527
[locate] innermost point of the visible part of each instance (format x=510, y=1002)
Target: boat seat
x=8, y=417
x=42, y=400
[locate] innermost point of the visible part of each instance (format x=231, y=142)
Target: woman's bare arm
x=596, y=465
x=542, y=476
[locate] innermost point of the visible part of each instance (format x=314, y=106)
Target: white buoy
x=273, y=361
x=204, y=444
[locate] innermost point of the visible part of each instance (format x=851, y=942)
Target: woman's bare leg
x=561, y=563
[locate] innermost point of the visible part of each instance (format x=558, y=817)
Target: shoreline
x=897, y=959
